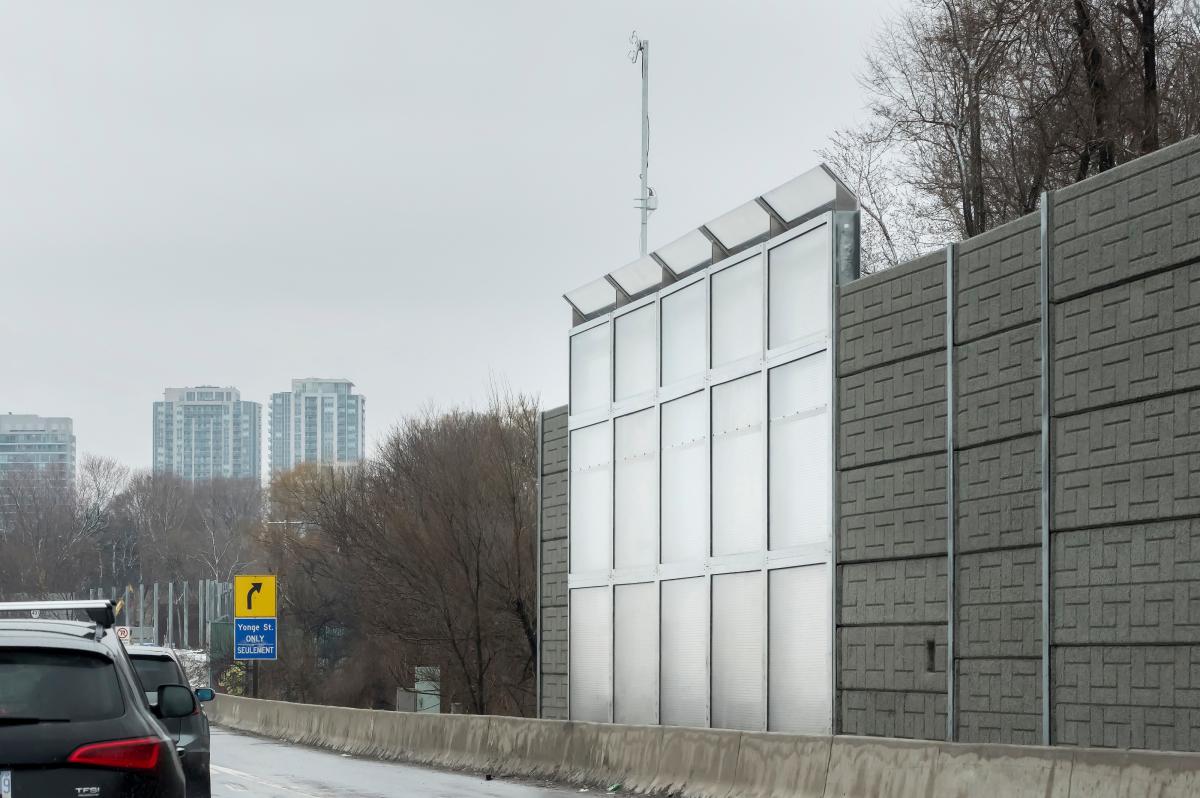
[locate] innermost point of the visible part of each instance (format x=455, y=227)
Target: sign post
x=255, y=622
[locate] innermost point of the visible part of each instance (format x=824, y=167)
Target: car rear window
x=51, y=685
x=153, y=672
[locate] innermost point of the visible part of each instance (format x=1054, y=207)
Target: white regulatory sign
x=123, y=634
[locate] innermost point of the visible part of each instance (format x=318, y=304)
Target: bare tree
x=45, y=544
x=979, y=106
x=433, y=544
x=228, y=515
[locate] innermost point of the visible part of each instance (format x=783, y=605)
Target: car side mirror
x=175, y=701
x=205, y=694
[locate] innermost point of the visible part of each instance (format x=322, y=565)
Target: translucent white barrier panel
x=590, y=369
x=737, y=651
x=683, y=340
x=635, y=641
x=634, y=345
x=684, y=664
x=800, y=459
x=799, y=286
x=799, y=672
x=591, y=655
x=737, y=308
x=737, y=466
x=591, y=498
x=635, y=523
x=685, y=479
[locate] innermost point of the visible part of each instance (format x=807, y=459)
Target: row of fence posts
x=211, y=600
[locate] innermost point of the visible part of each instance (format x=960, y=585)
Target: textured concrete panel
x=554, y=506
x=554, y=440
x=895, y=509
x=893, y=591
x=552, y=610
x=892, y=315
x=554, y=697
x=999, y=701
x=1137, y=218
x=999, y=495
x=554, y=640
x=1128, y=342
x=919, y=716
x=893, y=411
x=998, y=390
x=996, y=279
x=1128, y=696
x=893, y=657
x=1128, y=584
x=554, y=573
x=999, y=603
x=1134, y=462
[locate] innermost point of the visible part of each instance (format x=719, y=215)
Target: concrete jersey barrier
x=713, y=763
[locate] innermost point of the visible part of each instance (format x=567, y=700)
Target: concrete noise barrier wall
x=710, y=763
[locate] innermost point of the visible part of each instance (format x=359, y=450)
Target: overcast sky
x=238, y=193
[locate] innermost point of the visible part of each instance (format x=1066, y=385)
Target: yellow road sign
x=254, y=596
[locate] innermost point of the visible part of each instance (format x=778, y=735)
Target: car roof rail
x=100, y=611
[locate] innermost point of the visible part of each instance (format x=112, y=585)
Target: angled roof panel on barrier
x=688, y=252
x=595, y=297
x=803, y=194
x=642, y=275
x=741, y=225
x=816, y=191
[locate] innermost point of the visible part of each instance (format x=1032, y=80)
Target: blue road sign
x=255, y=638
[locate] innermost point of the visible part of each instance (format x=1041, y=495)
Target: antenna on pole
x=646, y=201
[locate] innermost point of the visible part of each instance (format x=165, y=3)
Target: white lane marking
x=263, y=782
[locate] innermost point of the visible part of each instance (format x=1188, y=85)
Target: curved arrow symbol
x=255, y=587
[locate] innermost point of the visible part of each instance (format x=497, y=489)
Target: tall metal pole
x=171, y=614
x=641, y=48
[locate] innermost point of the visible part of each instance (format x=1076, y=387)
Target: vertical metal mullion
x=708, y=656
x=659, y=476
x=541, y=631
x=765, y=388
x=1046, y=244
x=766, y=646
x=657, y=405
x=951, y=565
x=708, y=443
x=612, y=516
x=831, y=352
x=612, y=650
x=570, y=502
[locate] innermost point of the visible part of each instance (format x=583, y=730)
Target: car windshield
x=49, y=685
x=153, y=672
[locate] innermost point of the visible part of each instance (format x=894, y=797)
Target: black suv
x=156, y=666
x=74, y=721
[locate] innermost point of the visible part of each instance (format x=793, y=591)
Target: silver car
x=156, y=666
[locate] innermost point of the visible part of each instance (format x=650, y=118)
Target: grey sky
x=240, y=193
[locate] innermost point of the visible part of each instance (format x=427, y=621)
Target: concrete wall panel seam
x=951, y=512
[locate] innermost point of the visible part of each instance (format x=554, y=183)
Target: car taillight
x=137, y=754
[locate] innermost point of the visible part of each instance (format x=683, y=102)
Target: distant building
x=45, y=444
x=318, y=421
x=206, y=432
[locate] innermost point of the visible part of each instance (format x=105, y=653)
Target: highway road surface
x=245, y=766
